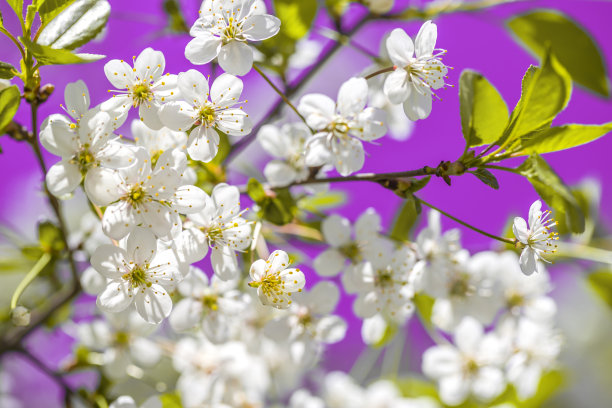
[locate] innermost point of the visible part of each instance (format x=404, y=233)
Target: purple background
x=473, y=40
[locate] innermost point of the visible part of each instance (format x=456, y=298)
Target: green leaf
x=17, y=6
x=30, y=14
x=553, y=191
x=484, y=113
x=279, y=210
x=49, y=56
x=256, y=191
x=322, y=201
x=7, y=71
x=486, y=177
x=76, y=25
x=48, y=9
x=601, y=282
x=9, y=103
x=424, y=304
x=50, y=237
x=413, y=387
x=569, y=42
x=171, y=400
x=176, y=19
x=562, y=137
x=405, y=219
x=545, y=92
x=337, y=7
x=296, y=16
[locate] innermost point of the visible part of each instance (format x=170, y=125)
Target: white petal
x=260, y=27
x=92, y=281
x=224, y=263
x=193, y=86
x=293, y=280
x=119, y=73
x=63, y=177
x=236, y=58
x=350, y=156
x=373, y=329
x=141, y=246
x=110, y=261
x=226, y=90
x=489, y=383
x=203, y=49
x=279, y=174
x=186, y=315
x=468, y=335
x=365, y=305
x=258, y=270
x=519, y=227
x=528, y=261
x=203, y=144
x=234, y=122
x=76, y=96
x=118, y=220
x=441, y=361
x=352, y=97
x=425, y=40
x=145, y=352
x=400, y=47
x=329, y=262
x=454, y=389
x=189, y=199
x=318, y=109
x=336, y=230
x=323, y=298
x=277, y=261
x=535, y=211
x=418, y=106
x=191, y=245
x=150, y=64
x=396, y=86
x=367, y=225
x=58, y=137
x=331, y=329
x=226, y=196
x=149, y=114
x=116, y=297
x=371, y=124
x=177, y=115
x=102, y=186
x=124, y=401
x=153, y=303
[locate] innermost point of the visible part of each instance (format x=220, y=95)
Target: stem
x=502, y=168
x=29, y=278
x=425, y=171
x=579, y=251
x=292, y=90
x=380, y=71
x=465, y=224
x=281, y=94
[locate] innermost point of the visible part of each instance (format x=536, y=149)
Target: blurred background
x=474, y=40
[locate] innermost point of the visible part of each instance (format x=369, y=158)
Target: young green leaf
x=50, y=56
x=297, y=16
x=562, y=137
x=256, y=191
x=405, y=219
x=484, y=113
x=17, y=6
x=7, y=71
x=48, y=9
x=571, y=44
x=9, y=103
x=322, y=201
x=545, y=92
x=78, y=24
x=553, y=191
x=486, y=177
x=601, y=283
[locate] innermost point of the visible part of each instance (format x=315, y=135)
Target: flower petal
x=234, y=122
x=336, y=230
x=153, y=303
x=226, y=90
x=150, y=64
x=189, y=199
x=63, y=177
x=352, y=97
x=119, y=73
x=76, y=96
x=110, y=261
x=116, y=297
x=425, y=40
x=203, y=49
x=236, y=58
x=418, y=105
x=396, y=86
x=528, y=261
x=260, y=27
x=193, y=86
x=519, y=227
x=329, y=262
x=318, y=109
x=400, y=47
x=224, y=263
x=141, y=246
x=177, y=115
x=203, y=144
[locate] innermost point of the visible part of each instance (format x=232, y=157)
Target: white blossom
x=141, y=196
x=275, y=281
x=418, y=70
x=537, y=238
x=223, y=30
x=138, y=275
x=341, y=126
x=471, y=366
x=220, y=226
x=85, y=150
x=144, y=87
x=205, y=110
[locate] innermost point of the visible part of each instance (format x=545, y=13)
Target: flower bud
x=20, y=316
x=379, y=6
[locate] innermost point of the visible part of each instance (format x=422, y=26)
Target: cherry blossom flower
x=416, y=76
x=137, y=275
x=144, y=87
x=537, y=238
x=275, y=281
x=85, y=150
x=138, y=195
x=203, y=116
x=223, y=30
x=341, y=126
x=472, y=366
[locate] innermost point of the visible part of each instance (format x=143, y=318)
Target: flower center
x=141, y=92
x=351, y=251
x=136, y=196
x=137, y=277
x=460, y=286
x=232, y=31
x=122, y=338
x=210, y=302
x=155, y=157
x=207, y=115
x=84, y=158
